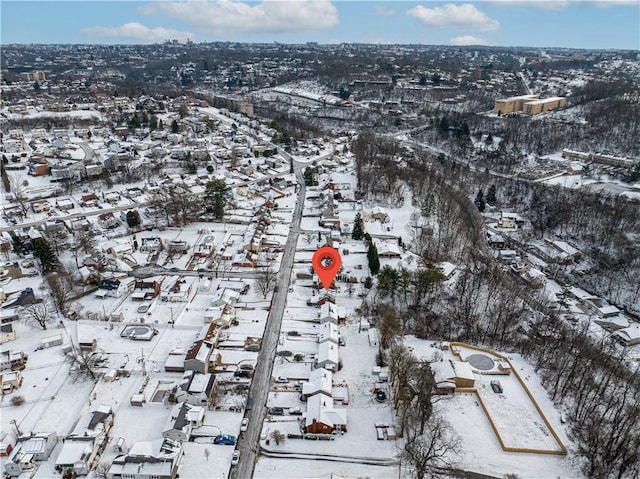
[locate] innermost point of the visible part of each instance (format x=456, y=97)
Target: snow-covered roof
x=328, y=353
x=320, y=408
x=319, y=380
x=463, y=370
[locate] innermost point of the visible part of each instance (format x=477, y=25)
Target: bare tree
x=278, y=437
x=83, y=242
x=40, y=314
x=101, y=470
x=19, y=194
x=86, y=363
x=436, y=447
x=266, y=278
x=60, y=286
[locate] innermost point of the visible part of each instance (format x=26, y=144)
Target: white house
x=157, y=459
x=82, y=447
x=29, y=449
x=179, y=423
x=328, y=312
x=320, y=380
x=328, y=332
x=328, y=356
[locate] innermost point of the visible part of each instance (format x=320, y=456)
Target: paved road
x=248, y=444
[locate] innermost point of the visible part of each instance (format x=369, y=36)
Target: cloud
x=464, y=16
x=463, y=40
x=542, y=4
x=138, y=33
x=385, y=12
x=269, y=16
x=562, y=4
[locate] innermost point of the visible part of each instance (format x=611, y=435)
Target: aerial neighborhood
x=161, y=316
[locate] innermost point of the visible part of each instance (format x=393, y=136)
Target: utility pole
x=15, y=424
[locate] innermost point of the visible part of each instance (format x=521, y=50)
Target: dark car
x=276, y=411
x=381, y=396
x=496, y=386
x=226, y=439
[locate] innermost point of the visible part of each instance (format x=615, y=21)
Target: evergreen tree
x=44, y=252
x=444, y=125
x=308, y=176
x=374, y=260
x=491, y=195
x=215, y=197
x=174, y=127
x=479, y=201
x=358, y=228
x=133, y=218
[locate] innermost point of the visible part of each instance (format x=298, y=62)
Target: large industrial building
x=513, y=104
x=528, y=104
x=535, y=107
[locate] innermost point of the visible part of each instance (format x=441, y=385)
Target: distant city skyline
x=542, y=23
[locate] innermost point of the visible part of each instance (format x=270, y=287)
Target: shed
x=55, y=340
x=137, y=400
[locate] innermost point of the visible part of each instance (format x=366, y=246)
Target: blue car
x=226, y=439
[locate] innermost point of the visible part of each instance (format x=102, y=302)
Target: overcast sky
x=541, y=23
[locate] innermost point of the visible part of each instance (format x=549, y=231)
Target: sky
x=536, y=23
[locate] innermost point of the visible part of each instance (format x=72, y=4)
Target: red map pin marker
x=326, y=262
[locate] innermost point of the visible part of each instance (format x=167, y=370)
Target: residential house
x=117, y=248
x=322, y=417
x=87, y=440
x=328, y=313
x=12, y=360
x=328, y=331
x=449, y=373
x=64, y=204
x=175, y=290
x=221, y=315
x=510, y=220
x=9, y=381
x=7, y=333
x=89, y=200
x=115, y=288
x=379, y=214
x=157, y=459
x=328, y=356
x=198, y=389
x=145, y=290
x=36, y=447
x=320, y=381
x=629, y=336
x=200, y=357
x=179, y=424
x=389, y=250
x=108, y=221
x=177, y=247
x=151, y=244
x=40, y=206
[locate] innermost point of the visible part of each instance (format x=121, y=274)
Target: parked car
x=295, y=411
x=496, y=386
x=244, y=424
x=235, y=458
x=276, y=411
x=226, y=439
x=281, y=380
x=381, y=396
